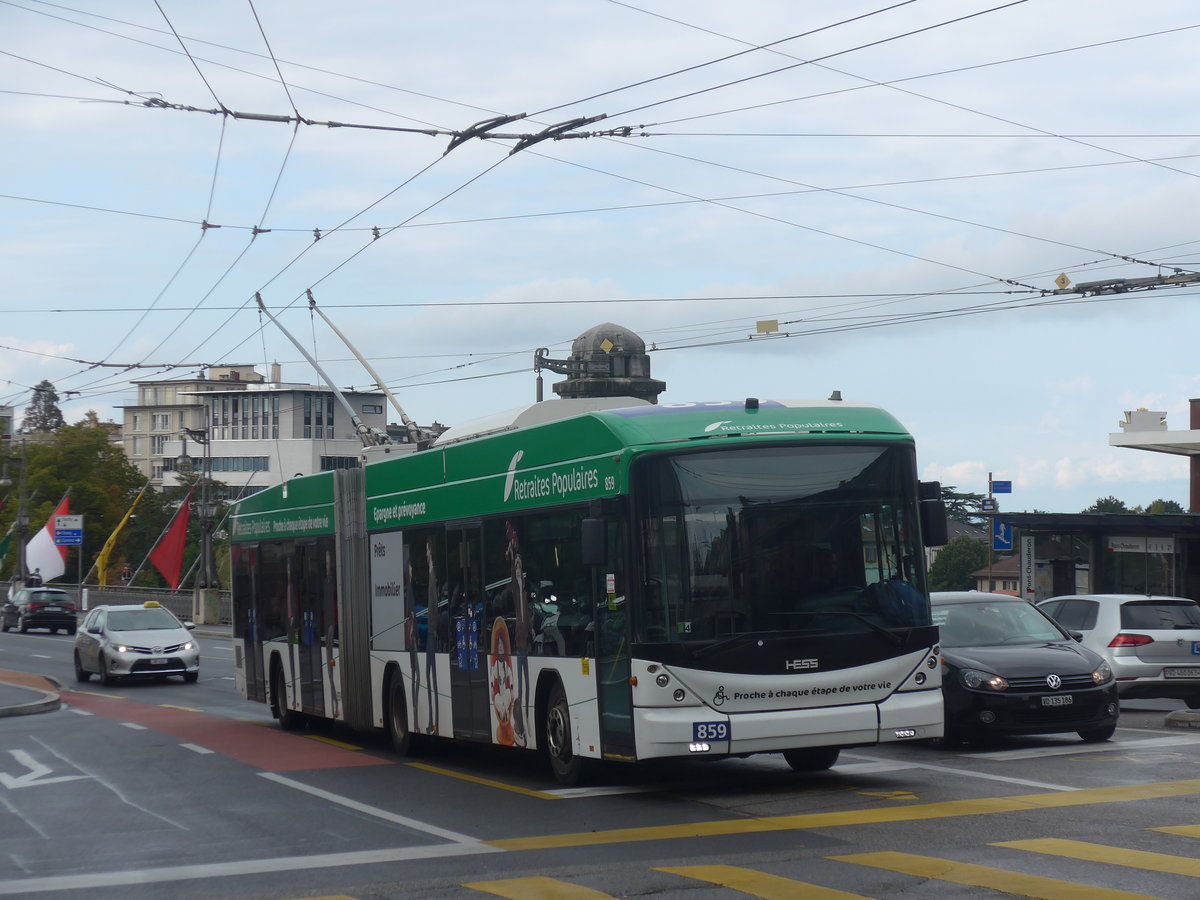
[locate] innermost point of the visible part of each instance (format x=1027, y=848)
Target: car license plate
x=53, y=609
x=158, y=662
x=1058, y=700
x=1182, y=672
x=1195, y=648
x=710, y=731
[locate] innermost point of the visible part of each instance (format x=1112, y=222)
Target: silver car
x=1151, y=642
x=144, y=641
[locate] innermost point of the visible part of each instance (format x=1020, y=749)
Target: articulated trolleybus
x=630, y=583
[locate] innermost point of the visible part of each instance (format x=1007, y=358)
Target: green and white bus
x=629, y=583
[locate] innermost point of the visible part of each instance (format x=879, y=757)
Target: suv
x=39, y=607
x=144, y=641
x=1151, y=642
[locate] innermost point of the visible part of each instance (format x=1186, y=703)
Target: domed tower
x=605, y=361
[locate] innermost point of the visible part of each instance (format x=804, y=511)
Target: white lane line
x=196, y=748
x=1100, y=747
x=135, y=726
x=41, y=656
x=79, y=712
x=969, y=773
x=414, y=824
x=30, y=886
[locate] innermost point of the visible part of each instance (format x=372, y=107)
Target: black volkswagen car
x=39, y=607
x=1009, y=669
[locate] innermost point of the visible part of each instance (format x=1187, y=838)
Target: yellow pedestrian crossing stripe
x=986, y=877
x=1133, y=859
x=537, y=888
x=761, y=884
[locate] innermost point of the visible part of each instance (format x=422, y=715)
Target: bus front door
x=468, y=634
x=312, y=627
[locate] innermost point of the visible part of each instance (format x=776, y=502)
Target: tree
x=1108, y=504
x=951, y=570
x=42, y=414
x=1158, y=507
x=963, y=507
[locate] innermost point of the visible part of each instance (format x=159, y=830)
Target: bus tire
x=397, y=716
x=568, y=767
x=289, y=719
x=811, y=759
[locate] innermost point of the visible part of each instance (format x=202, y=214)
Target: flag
x=167, y=554
x=4, y=542
x=42, y=555
x=101, y=564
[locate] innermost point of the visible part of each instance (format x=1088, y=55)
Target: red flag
x=42, y=555
x=167, y=554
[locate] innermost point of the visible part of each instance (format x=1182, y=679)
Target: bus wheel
x=289, y=719
x=567, y=766
x=811, y=759
x=397, y=719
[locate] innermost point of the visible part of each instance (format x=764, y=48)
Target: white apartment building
x=260, y=432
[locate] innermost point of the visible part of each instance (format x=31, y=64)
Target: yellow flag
x=101, y=564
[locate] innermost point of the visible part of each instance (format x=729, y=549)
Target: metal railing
x=181, y=603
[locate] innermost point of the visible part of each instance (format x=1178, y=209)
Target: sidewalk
x=22, y=694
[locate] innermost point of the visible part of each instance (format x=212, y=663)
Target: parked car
x=1152, y=642
x=1009, y=669
x=144, y=641
x=39, y=607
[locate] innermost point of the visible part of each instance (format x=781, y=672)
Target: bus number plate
x=710, y=731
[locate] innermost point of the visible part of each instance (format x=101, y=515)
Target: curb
x=48, y=702
x=1183, y=718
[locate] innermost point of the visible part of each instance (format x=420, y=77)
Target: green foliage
x=42, y=415
x=951, y=570
x=963, y=507
x=1160, y=507
x=1108, y=504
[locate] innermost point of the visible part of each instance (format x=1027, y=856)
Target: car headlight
x=188, y=646
x=121, y=648
x=973, y=678
x=1103, y=673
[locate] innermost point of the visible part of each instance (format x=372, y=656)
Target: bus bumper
x=687, y=731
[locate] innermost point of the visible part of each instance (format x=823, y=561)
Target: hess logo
x=797, y=665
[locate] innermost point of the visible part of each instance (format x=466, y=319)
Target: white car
x=144, y=641
x=1152, y=642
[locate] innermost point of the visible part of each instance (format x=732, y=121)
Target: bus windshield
x=769, y=539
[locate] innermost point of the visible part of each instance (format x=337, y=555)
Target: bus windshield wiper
x=725, y=644
x=895, y=639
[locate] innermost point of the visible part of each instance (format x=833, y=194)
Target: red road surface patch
x=264, y=748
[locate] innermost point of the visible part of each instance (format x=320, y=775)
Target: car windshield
x=976, y=624
x=141, y=620
x=48, y=597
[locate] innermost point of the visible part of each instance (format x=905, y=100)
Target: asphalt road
x=186, y=791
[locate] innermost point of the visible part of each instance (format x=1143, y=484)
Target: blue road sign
x=68, y=538
x=1001, y=535
x=1001, y=487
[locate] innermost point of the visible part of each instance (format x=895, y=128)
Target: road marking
x=537, y=887
x=913, y=813
x=135, y=726
x=196, y=748
x=333, y=742
x=184, y=708
x=969, y=773
x=35, y=777
x=986, y=877
x=41, y=656
x=1185, y=830
x=414, y=824
x=205, y=871
x=760, y=884
x=79, y=712
x=1098, y=747
x=1133, y=859
x=487, y=782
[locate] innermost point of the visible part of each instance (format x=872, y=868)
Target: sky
x=897, y=185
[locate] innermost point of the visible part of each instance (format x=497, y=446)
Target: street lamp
x=206, y=508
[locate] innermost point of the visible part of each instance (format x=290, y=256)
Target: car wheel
x=289, y=719
x=4, y=626
x=812, y=759
x=568, y=767
x=1096, y=735
x=190, y=677
x=1193, y=702
x=81, y=674
x=71, y=629
x=22, y=626
x=102, y=672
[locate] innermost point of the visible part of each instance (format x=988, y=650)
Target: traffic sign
x=1001, y=487
x=68, y=531
x=989, y=504
x=1002, y=537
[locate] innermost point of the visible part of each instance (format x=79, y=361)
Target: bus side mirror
x=594, y=538
x=934, y=530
